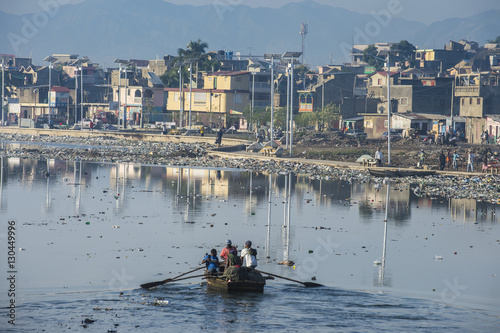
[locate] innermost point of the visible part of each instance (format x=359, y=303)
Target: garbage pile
x=241, y=274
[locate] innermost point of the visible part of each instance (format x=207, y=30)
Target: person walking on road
x=218, y=141
x=379, y=157
x=421, y=158
x=442, y=160
x=455, y=161
x=470, y=162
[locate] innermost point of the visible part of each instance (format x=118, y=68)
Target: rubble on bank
x=102, y=149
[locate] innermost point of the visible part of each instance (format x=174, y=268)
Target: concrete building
x=332, y=87
x=443, y=59
x=357, y=52
x=222, y=92
x=142, y=104
x=479, y=95
x=431, y=95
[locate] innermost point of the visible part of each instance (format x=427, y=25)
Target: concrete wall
x=139, y=135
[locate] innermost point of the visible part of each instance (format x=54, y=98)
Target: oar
x=158, y=283
x=307, y=284
x=187, y=277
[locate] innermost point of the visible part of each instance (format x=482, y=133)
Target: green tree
x=496, y=40
x=170, y=78
x=280, y=118
x=195, y=51
x=304, y=119
x=327, y=116
x=406, y=51
x=259, y=117
x=370, y=56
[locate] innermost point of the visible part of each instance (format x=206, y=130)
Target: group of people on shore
x=229, y=257
x=447, y=159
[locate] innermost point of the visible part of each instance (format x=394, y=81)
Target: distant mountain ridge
x=105, y=30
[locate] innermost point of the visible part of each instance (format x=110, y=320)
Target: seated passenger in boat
x=212, y=262
x=249, y=255
x=225, y=251
x=233, y=259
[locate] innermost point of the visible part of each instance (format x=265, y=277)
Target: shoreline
x=179, y=151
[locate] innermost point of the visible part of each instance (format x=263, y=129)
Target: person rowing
x=212, y=262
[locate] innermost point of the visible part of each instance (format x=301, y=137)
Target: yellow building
x=222, y=92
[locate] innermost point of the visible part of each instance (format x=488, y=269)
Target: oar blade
x=159, y=283
x=153, y=284
x=312, y=284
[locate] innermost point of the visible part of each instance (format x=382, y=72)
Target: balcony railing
x=467, y=91
x=260, y=86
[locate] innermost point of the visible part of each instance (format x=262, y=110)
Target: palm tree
x=195, y=49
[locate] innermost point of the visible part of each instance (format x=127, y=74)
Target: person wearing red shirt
x=225, y=251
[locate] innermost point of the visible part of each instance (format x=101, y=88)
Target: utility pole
x=303, y=32
x=452, y=127
x=190, y=91
x=388, y=108
x=291, y=56
x=181, y=106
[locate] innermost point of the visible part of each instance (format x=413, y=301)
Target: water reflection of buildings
x=467, y=210
x=373, y=197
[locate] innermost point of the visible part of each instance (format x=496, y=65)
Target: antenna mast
x=303, y=32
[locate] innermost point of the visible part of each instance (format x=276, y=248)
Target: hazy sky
x=426, y=11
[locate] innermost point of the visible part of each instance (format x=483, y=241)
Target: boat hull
x=218, y=284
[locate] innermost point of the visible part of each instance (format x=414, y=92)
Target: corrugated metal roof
x=494, y=117
x=228, y=73
x=60, y=89
x=421, y=116
x=139, y=62
x=155, y=80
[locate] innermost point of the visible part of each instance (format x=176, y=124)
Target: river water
x=88, y=234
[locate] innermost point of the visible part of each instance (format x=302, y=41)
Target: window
x=379, y=82
x=237, y=99
x=470, y=101
x=478, y=101
x=403, y=101
x=138, y=93
x=463, y=101
x=128, y=92
x=200, y=97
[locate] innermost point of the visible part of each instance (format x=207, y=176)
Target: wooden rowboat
x=400, y=173
x=242, y=282
x=220, y=284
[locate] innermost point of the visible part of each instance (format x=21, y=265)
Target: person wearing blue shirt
x=212, y=262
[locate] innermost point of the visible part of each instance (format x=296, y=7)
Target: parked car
x=357, y=133
x=422, y=134
x=396, y=133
